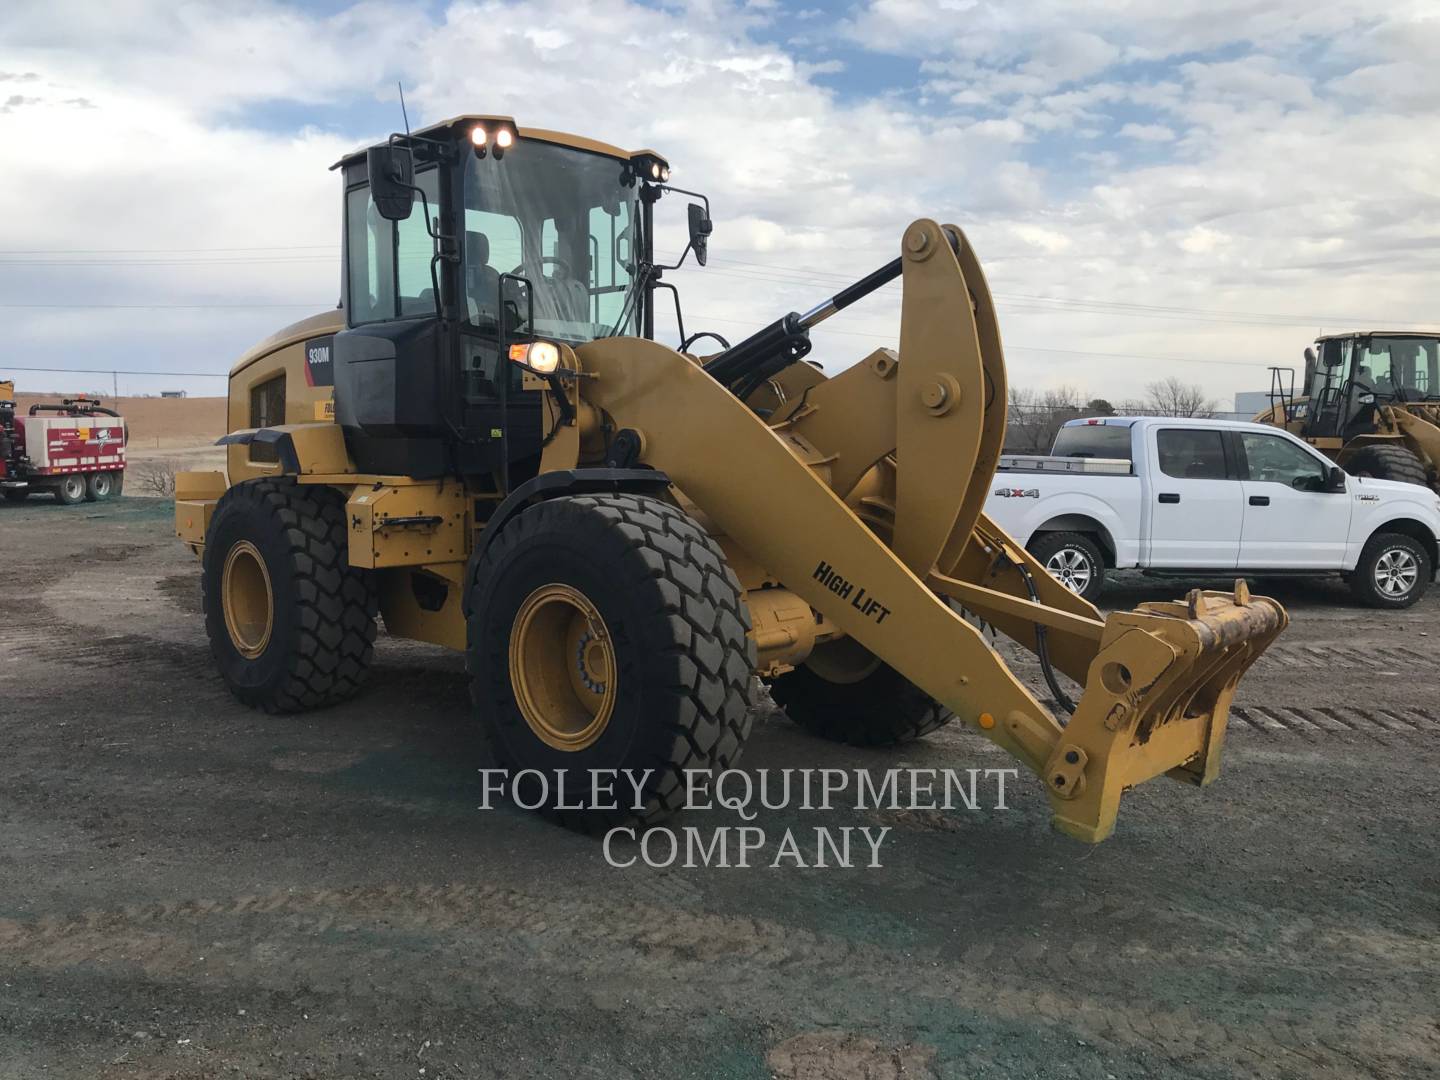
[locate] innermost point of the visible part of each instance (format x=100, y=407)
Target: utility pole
x=115, y=387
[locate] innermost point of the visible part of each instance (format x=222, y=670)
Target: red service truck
x=74, y=450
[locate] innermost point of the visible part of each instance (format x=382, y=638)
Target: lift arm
x=1158, y=681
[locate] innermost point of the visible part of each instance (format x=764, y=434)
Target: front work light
x=479, y=136
x=503, y=138
x=541, y=356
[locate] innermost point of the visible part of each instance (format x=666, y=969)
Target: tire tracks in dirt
x=694, y=960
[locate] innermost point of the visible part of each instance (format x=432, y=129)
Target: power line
x=162, y=251
x=167, y=307
x=122, y=371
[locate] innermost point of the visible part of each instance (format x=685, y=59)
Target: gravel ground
x=191, y=889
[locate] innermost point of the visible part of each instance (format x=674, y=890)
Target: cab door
x=1195, y=502
x=1291, y=521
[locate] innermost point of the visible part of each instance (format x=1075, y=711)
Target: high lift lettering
x=866, y=605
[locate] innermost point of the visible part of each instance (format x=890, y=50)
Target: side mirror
x=392, y=181
x=1309, y=355
x=700, y=230
x=1335, y=481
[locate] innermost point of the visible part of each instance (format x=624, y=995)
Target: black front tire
x=319, y=649
x=678, y=628
x=1388, y=463
x=1393, y=571
x=1074, y=560
x=863, y=702
x=15, y=495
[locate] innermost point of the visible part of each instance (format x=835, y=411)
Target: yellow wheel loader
x=1371, y=402
x=486, y=445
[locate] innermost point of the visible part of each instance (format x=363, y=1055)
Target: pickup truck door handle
x=1259, y=500
x=1169, y=496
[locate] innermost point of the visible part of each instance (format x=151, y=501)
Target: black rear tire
x=70, y=490
x=877, y=708
x=119, y=482
x=1073, y=559
x=15, y=495
x=1388, y=463
x=323, y=610
x=678, y=631
x=1393, y=571
x=99, y=487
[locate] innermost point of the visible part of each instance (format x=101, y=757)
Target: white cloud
x=1155, y=133
x=1269, y=182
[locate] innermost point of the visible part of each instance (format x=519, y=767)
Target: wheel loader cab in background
x=1370, y=402
x=486, y=445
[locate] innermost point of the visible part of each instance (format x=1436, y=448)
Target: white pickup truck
x=1202, y=497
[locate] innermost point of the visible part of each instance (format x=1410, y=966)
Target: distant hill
x=154, y=422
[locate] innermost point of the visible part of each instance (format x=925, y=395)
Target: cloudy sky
x=1155, y=187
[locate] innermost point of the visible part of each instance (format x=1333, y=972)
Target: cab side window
x=267, y=409
x=1272, y=459
x=388, y=271
x=1191, y=453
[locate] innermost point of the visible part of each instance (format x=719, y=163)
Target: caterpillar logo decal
x=859, y=600
x=319, y=367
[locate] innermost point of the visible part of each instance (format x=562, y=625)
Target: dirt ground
x=190, y=889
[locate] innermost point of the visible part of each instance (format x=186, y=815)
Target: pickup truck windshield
x=1092, y=441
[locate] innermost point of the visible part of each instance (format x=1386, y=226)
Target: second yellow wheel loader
x=486, y=445
x=1371, y=402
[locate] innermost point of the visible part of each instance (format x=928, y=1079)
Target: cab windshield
x=1396, y=368
x=560, y=218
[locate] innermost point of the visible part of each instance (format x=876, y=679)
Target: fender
x=1126, y=547
x=558, y=484
x=301, y=449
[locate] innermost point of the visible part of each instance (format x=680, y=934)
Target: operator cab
x=1348, y=376
x=466, y=242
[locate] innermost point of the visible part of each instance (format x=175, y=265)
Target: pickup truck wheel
x=1388, y=463
x=846, y=694
x=1072, y=559
x=1393, y=571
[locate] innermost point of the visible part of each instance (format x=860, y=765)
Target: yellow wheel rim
x=562, y=667
x=248, y=600
x=843, y=660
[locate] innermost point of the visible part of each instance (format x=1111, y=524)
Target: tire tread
x=335, y=621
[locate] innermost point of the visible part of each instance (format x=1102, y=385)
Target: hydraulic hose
x=1042, y=643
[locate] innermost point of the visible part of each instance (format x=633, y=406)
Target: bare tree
x=1171, y=397
x=1036, y=415
x=156, y=477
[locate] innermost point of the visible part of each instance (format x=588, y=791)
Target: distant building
x=173, y=393
x=1248, y=403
